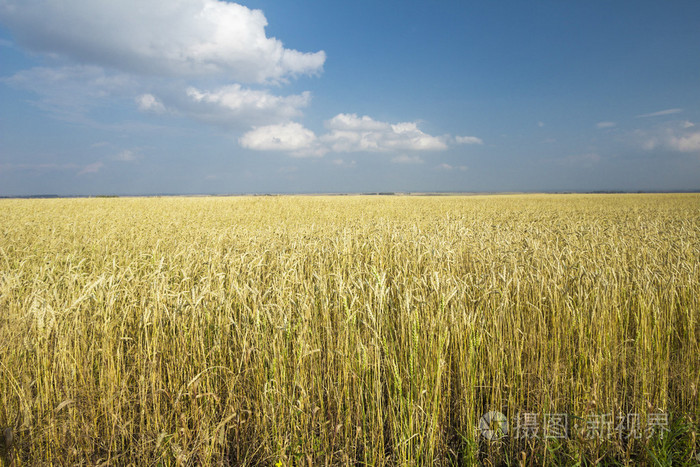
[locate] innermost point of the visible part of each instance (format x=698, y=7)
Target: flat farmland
x=363, y=330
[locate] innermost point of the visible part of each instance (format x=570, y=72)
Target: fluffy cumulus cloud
x=289, y=137
x=235, y=103
x=675, y=136
x=208, y=60
x=351, y=122
x=350, y=133
x=689, y=142
x=346, y=133
x=161, y=37
x=157, y=54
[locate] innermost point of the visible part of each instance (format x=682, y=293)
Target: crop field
x=351, y=330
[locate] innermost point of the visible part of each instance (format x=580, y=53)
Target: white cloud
x=347, y=133
x=127, y=49
x=660, y=113
x=149, y=103
x=351, y=122
x=350, y=133
x=289, y=137
x=72, y=92
x=685, y=143
x=606, y=124
x=406, y=159
x=189, y=58
x=673, y=136
x=468, y=140
x=237, y=104
x=353, y=141
x=407, y=136
x=161, y=37
x=540, y=124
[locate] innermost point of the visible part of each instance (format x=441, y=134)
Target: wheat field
x=349, y=330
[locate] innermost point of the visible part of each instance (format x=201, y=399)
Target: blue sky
x=207, y=96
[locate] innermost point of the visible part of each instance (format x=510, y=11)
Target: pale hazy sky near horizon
x=208, y=96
